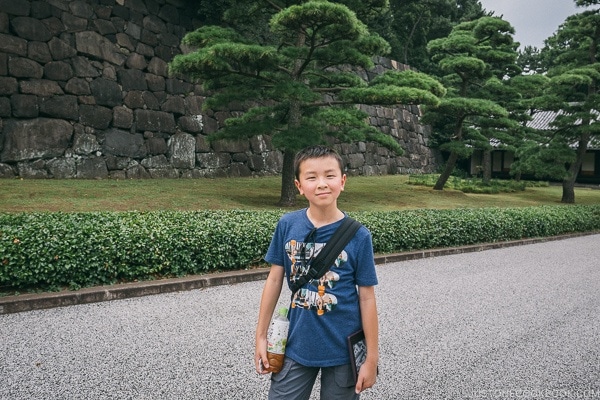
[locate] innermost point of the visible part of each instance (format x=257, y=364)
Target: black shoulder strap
x=326, y=257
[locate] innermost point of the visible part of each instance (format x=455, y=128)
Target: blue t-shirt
x=325, y=311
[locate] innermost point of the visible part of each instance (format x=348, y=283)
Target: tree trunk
x=568, y=184
x=487, y=167
x=288, y=189
x=439, y=185
x=568, y=192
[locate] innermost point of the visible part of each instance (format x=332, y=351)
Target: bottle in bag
x=276, y=340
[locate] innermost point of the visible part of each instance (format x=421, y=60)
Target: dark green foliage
x=425, y=229
x=52, y=251
x=473, y=185
x=55, y=250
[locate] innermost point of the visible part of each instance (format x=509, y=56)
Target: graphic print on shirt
x=314, y=295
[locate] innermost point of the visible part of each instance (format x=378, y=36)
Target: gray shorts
x=295, y=382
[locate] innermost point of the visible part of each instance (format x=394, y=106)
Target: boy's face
x=321, y=181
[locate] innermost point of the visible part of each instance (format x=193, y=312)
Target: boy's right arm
x=268, y=301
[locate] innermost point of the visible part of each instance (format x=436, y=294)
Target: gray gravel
x=520, y=322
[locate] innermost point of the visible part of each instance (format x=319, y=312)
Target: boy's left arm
x=368, y=310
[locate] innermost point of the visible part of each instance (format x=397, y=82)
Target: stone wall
x=85, y=93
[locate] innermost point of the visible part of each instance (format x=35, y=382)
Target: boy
x=323, y=312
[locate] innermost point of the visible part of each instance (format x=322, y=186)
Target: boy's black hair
x=317, y=151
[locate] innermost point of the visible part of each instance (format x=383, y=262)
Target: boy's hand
x=261, y=361
x=367, y=375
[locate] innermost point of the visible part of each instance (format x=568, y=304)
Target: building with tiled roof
x=541, y=120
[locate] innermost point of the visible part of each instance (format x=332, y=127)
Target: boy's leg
x=293, y=382
x=337, y=383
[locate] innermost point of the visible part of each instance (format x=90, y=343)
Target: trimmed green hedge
x=50, y=251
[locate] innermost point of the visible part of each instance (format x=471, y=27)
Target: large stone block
x=159, y=67
x=64, y=107
x=95, y=116
x=31, y=29
x=124, y=144
x=84, y=68
x=154, y=121
x=5, y=107
x=209, y=125
x=32, y=169
x=154, y=24
x=81, y=9
x=231, y=146
x=213, y=160
x=21, y=67
x=25, y=105
x=92, y=168
x=178, y=86
x=124, y=40
x=134, y=99
x=169, y=13
x=145, y=50
x=136, y=171
x=40, y=87
x=137, y=5
x=16, y=7
x=73, y=23
x=8, y=85
x=136, y=61
x=132, y=79
x=6, y=171
x=39, y=51
x=122, y=117
x=174, y=104
x=190, y=124
x=156, y=83
x=60, y=50
x=95, y=45
x=85, y=143
x=239, y=169
x=62, y=168
x=41, y=10
x=13, y=45
x=55, y=25
x=58, y=71
x=182, y=151
x=164, y=173
x=114, y=163
x=149, y=38
x=156, y=162
x=150, y=100
x=156, y=146
x=166, y=52
x=202, y=144
x=169, y=40
x=78, y=86
x=35, y=138
x=106, y=92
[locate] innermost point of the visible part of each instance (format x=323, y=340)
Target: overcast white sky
x=533, y=20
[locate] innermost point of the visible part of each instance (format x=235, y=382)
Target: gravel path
x=520, y=322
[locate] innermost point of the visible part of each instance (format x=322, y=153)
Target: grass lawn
x=375, y=193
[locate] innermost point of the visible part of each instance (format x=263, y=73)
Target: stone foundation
x=85, y=93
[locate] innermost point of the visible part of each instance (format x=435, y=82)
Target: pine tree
x=296, y=81
x=475, y=57
x=571, y=56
